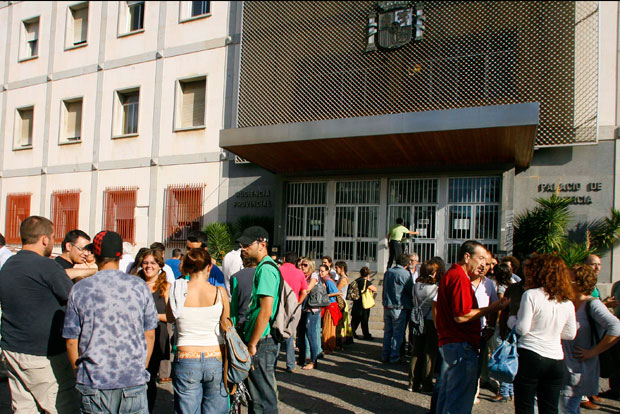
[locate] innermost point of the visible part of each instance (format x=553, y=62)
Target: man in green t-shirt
x=257, y=330
x=394, y=237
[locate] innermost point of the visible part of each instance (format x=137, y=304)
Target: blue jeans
x=395, y=323
x=506, y=389
x=128, y=400
x=458, y=380
x=312, y=337
x=290, y=353
x=198, y=386
x=262, y=379
x=570, y=405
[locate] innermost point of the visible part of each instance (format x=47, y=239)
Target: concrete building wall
x=170, y=47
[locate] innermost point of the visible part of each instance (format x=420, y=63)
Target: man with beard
x=458, y=329
x=33, y=292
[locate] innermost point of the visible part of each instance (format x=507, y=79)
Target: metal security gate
x=356, y=229
x=473, y=212
x=415, y=201
x=305, y=218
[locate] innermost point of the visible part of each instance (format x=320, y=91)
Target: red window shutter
x=184, y=205
x=119, y=211
x=65, y=213
x=17, y=209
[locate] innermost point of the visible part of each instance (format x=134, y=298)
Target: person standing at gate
x=394, y=237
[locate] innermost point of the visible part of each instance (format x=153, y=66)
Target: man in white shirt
x=127, y=259
x=231, y=264
x=5, y=252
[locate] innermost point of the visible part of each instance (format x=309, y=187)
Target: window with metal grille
x=184, y=204
x=415, y=201
x=473, y=213
x=65, y=213
x=305, y=218
x=17, y=209
x=119, y=211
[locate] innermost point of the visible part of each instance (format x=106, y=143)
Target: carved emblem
x=393, y=24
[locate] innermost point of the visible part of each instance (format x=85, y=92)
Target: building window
x=71, y=127
x=191, y=103
x=183, y=212
x=77, y=25
x=23, y=127
x=306, y=213
x=30, y=36
x=194, y=9
x=131, y=17
x=127, y=106
x=119, y=211
x=17, y=209
x=65, y=213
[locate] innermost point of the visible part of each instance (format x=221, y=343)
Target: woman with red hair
x=546, y=317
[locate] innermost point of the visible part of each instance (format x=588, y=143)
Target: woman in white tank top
x=198, y=308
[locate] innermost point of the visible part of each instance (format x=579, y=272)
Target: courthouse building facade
x=454, y=116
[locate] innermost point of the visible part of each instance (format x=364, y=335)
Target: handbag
x=504, y=363
x=609, y=360
x=237, y=359
x=341, y=303
x=368, y=299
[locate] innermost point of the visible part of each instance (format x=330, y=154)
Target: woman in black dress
x=150, y=270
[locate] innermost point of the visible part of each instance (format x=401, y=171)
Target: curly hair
x=503, y=274
x=551, y=274
x=584, y=278
x=161, y=282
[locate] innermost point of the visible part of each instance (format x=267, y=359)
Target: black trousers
x=396, y=249
x=360, y=315
x=538, y=377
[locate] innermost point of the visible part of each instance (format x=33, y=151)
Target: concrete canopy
x=464, y=138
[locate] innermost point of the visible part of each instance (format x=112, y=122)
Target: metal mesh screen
x=306, y=61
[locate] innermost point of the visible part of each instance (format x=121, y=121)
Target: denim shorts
x=198, y=386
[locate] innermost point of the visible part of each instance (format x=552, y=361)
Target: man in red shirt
x=297, y=281
x=458, y=330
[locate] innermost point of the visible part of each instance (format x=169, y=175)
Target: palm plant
x=544, y=230
x=219, y=240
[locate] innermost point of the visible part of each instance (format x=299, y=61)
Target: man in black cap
x=110, y=331
x=257, y=330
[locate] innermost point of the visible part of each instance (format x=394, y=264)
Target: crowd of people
x=94, y=329
x=556, y=313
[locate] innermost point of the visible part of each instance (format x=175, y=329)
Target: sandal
x=308, y=366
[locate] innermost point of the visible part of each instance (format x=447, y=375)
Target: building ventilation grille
x=306, y=61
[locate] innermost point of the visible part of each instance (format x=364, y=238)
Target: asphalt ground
x=349, y=381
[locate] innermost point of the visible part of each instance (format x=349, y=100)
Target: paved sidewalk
x=350, y=381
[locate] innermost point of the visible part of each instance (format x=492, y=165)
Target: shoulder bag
x=504, y=363
x=368, y=299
